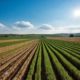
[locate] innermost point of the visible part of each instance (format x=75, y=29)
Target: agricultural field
x=71, y=39
x=39, y=59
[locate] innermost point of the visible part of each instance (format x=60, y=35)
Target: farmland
x=70, y=39
x=40, y=59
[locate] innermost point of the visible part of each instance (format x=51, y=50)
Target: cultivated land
x=73, y=39
x=7, y=46
x=41, y=59
x=12, y=40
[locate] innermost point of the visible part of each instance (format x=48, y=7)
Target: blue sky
x=39, y=16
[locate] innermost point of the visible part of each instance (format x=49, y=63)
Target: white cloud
x=2, y=25
x=25, y=27
x=46, y=27
x=68, y=29
x=4, y=29
x=23, y=24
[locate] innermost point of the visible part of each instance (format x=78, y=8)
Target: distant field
x=10, y=40
x=73, y=39
x=12, y=37
x=41, y=59
x=3, y=44
x=8, y=47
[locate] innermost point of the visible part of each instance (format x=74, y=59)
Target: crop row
x=11, y=68
x=43, y=59
x=55, y=61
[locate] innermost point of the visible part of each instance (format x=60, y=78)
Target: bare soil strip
x=7, y=58
x=7, y=48
x=15, y=64
x=21, y=73
x=11, y=61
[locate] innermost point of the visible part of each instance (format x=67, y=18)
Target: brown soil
x=7, y=48
x=16, y=63
x=1, y=41
x=73, y=39
x=7, y=55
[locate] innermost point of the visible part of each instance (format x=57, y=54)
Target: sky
x=39, y=16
